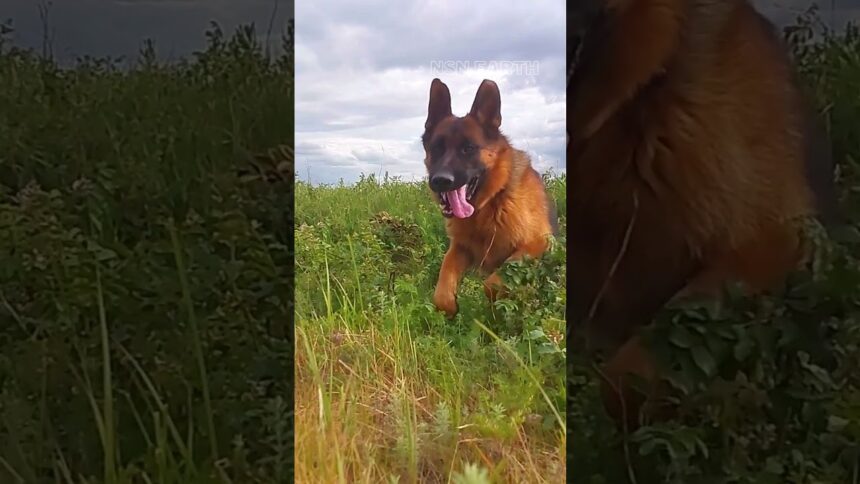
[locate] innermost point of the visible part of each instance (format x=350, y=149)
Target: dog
x=495, y=204
x=692, y=157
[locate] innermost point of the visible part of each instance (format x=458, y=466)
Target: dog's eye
x=437, y=149
x=468, y=148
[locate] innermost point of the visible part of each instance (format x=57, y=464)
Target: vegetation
x=388, y=390
x=146, y=274
x=146, y=297
x=768, y=389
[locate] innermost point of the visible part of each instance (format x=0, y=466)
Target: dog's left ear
x=487, y=107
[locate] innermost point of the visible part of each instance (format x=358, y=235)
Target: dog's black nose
x=442, y=182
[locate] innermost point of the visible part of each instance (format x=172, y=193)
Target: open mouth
x=458, y=202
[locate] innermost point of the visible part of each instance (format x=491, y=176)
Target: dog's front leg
x=454, y=265
x=493, y=284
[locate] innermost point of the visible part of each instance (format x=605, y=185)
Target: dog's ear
x=440, y=104
x=487, y=107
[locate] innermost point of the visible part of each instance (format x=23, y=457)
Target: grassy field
x=146, y=302
x=387, y=390
x=145, y=267
x=767, y=390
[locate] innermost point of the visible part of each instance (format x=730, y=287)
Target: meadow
x=388, y=390
x=147, y=301
x=766, y=389
x=146, y=266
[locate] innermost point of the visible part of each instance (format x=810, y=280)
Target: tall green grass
x=386, y=388
x=146, y=283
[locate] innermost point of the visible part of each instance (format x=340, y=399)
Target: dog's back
x=702, y=144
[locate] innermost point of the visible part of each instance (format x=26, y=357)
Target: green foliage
x=767, y=389
x=367, y=260
x=130, y=242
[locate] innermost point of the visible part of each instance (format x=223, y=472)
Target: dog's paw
x=493, y=287
x=446, y=303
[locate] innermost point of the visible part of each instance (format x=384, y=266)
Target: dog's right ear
x=440, y=104
x=487, y=107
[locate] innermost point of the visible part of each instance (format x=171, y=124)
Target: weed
x=385, y=383
x=146, y=280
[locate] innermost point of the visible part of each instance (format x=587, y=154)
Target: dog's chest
x=488, y=240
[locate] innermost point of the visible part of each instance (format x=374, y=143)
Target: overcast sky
x=364, y=67
x=119, y=27
x=364, y=70
x=363, y=76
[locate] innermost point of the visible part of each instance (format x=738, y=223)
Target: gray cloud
x=118, y=28
x=363, y=75
x=364, y=68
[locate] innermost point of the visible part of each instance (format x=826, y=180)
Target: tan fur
x=511, y=216
x=504, y=227
x=689, y=110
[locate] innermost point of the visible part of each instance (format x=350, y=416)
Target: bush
x=146, y=283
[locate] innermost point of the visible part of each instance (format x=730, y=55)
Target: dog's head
x=461, y=151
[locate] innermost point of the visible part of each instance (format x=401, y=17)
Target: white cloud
x=364, y=69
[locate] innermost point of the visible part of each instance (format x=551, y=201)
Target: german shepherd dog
x=495, y=204
x=692, y=155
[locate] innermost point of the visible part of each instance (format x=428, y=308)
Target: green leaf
x=704, y=360
x=845, y=234
x=537, y=334
x=743, y=348
x=681, y=337
x=836, y=424
x=774, y=466
x=650, y=446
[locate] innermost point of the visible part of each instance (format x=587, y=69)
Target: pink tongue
x=459, y=205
